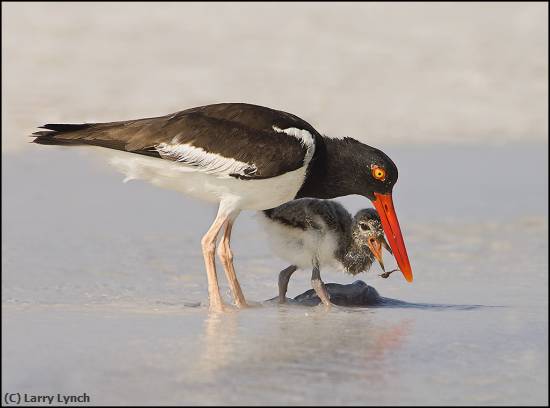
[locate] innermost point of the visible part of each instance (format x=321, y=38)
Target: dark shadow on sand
x=359, y=294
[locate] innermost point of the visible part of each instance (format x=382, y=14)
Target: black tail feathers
x=66, y=127
x=55, y=129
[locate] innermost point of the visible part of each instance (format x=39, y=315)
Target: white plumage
x=208, y=186
x=300, y=247
x=305, y=138
x=197, y=159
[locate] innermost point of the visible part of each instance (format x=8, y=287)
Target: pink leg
x=208, y=243
x=226, y=257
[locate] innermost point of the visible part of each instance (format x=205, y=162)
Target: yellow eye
x=378, y=173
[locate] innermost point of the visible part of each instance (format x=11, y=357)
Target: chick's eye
x=378, y=173
x=364, y=227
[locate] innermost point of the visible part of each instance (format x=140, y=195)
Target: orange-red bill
x=384, y=205
x=375, y=247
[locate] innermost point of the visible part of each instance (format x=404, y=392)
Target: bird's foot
x=241, y=304
x=328, y=305
x=217, y=306
x=251, y=304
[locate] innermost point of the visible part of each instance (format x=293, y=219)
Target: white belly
x=301, y=248
x=247, y=194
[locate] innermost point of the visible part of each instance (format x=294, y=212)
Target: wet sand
x=104, y=292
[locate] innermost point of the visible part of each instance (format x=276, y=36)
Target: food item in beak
x=387, y=274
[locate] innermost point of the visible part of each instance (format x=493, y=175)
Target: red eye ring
x=378, y=173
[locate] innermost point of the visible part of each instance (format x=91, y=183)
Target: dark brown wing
x=233, y=130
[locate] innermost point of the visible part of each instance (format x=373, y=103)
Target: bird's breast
x=300, y=247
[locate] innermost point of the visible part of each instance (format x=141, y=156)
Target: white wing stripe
x=305, y=138
x=210, y=163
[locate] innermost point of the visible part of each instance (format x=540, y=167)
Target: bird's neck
x=354, y=258
x=331, y=171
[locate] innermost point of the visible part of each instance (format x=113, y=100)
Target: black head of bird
x=379, y=175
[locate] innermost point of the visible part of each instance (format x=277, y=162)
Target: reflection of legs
x=208, y=243
x=284, y=277
x=319, y=286
x=226, y=257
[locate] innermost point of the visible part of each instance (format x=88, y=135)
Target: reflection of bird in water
x=340, y=346
x=312, y=233
x=217, y=344
x=244, y=157
x=343, y=344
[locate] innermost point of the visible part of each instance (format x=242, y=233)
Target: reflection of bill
x=350, y=343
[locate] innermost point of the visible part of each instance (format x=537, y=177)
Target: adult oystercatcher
x=313, y=233
x=243, y=157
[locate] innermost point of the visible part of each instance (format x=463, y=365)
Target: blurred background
x=103, y=284
x=383, y=73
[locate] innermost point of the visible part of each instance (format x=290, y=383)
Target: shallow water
x=104, y=292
